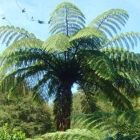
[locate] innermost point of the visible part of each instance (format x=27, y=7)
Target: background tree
x=89, y=56
x=26, y=115
x=96, y=102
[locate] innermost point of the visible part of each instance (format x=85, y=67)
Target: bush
x=10, y=134
x=26, y=115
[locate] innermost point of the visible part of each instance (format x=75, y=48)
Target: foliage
x=10, y=34
x=88, y=105
x=26, y=115
x=90, y=56
x=101, y=126
x=7, y=134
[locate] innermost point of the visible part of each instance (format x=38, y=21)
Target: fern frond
x=40, y=84
x=110, y=123
x=123, y=59
x=74, y=134
x=23, y=44
x=95, y=82
x=89, y=37
x=23, y=73
x=17, y=53
x=102, y=66
x=23, y=58
x=110, y=21
x=57, y=43
x=127, y=66
x=67, y=19
x=100, y=126
x=9, y=34
x=119, y=100
x=124, y=40
x=133, y=78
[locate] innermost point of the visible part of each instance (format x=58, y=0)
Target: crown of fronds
x=89, y=48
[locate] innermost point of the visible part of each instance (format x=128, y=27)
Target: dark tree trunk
x=62, y=107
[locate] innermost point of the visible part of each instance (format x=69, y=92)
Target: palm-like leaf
x=24, y=59
x=126, y=63
x=10, y=34
x=67, y=19
x=54, y=43
x=89, y=38
x=124, y=40
x=109, y=22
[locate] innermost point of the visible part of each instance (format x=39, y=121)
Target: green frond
x=23, y=57
x=124, y=40
x=46, y=79
x=22, y=52
x=100, y=126
x=22, y=73
x=133, y=77
x=19, y=71
x=101, y=65
x=110, y=123
x=23, y=44
x=66, y=19
x=57, y=43
x=127, y=66
x=92, y=82
x=89, y=37
x=71, y=134
x=110, y=21
x=123, y=59
x=9, y=34
x=119, y=100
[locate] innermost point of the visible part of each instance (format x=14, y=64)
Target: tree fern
x=74, y=54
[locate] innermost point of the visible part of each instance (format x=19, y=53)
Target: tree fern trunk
x=62, y=108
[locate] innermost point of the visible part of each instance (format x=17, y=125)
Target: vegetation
x=10, y=134
x=101, y=126
x=74, y=54
x=82, y=104
x=26, y=115
x=95, y=57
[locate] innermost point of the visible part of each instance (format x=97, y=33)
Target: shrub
x=10, y=134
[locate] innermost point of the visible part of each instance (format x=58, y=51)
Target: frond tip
x=110, y=21
x=67, y=19
x=57, y=43
x=124, y=40
x=9, y=34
